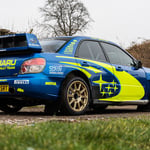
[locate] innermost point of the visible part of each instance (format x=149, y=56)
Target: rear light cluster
x=34, y=65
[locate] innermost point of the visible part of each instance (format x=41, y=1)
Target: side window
x=91, y=50
x=117, y=55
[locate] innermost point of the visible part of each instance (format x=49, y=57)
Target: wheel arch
x=77, y=73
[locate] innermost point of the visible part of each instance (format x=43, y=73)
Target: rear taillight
x=34, y=65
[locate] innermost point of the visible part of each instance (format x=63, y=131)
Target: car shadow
x=108, y=111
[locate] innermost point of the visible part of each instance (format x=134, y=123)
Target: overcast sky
x=120, y=21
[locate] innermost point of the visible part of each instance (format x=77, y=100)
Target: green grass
x=112, y=134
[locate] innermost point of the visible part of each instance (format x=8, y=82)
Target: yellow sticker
x=10, y=68
x=50, y=83
x=4, y=80
x=70, y=47
x=8, y=62
x=20, y=90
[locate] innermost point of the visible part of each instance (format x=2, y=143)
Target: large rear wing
x=19, y=42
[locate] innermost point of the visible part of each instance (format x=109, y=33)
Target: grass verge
x=112, y=134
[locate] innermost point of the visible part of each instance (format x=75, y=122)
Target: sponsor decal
x=3, y=50
x=8, y=68
x=50, y=83
x=55, y=69
x=21, y=81
x=70, y=47
x=33, y=42
x=4, y=80
x=7, y=64
x=107, y=89
x=20, y=90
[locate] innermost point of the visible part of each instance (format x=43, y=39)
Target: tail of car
x=14, y=50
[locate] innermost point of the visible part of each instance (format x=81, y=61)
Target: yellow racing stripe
x=134, y=91
x=95, y=70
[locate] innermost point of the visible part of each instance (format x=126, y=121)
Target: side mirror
x=138, y=64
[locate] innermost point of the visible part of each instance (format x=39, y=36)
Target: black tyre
x=51, y=108
x=144, y=108
x=75, y=96
x=10, y=108
x=99, y=108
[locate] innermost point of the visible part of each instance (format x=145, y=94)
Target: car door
x=132, y=80
x=91, y=57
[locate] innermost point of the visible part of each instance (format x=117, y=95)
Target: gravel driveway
x=31, y=115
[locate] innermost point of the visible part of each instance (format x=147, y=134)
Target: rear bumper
x=37, y=87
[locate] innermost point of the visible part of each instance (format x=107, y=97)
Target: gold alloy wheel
x=77, y=96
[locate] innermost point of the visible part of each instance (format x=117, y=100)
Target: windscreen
x=52, y=45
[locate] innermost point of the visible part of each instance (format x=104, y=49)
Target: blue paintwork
x=147, y=71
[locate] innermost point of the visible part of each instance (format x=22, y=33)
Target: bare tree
x=64, y=17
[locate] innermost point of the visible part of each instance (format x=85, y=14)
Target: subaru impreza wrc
x=69, y=74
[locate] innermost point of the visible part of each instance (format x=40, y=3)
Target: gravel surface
x=31, y=115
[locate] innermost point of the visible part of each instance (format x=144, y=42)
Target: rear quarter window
x=51, y=46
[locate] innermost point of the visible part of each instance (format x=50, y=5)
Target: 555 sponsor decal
x=21, y=81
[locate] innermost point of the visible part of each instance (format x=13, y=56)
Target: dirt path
x=31, y=115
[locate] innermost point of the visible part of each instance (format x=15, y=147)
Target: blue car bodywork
x=24, y=81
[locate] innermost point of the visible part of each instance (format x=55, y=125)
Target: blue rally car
x=69, y=74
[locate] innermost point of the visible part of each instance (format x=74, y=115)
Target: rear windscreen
x=52, y=45
x=10, y=42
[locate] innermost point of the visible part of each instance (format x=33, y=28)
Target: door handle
x=85, y=64
x=119, y=68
